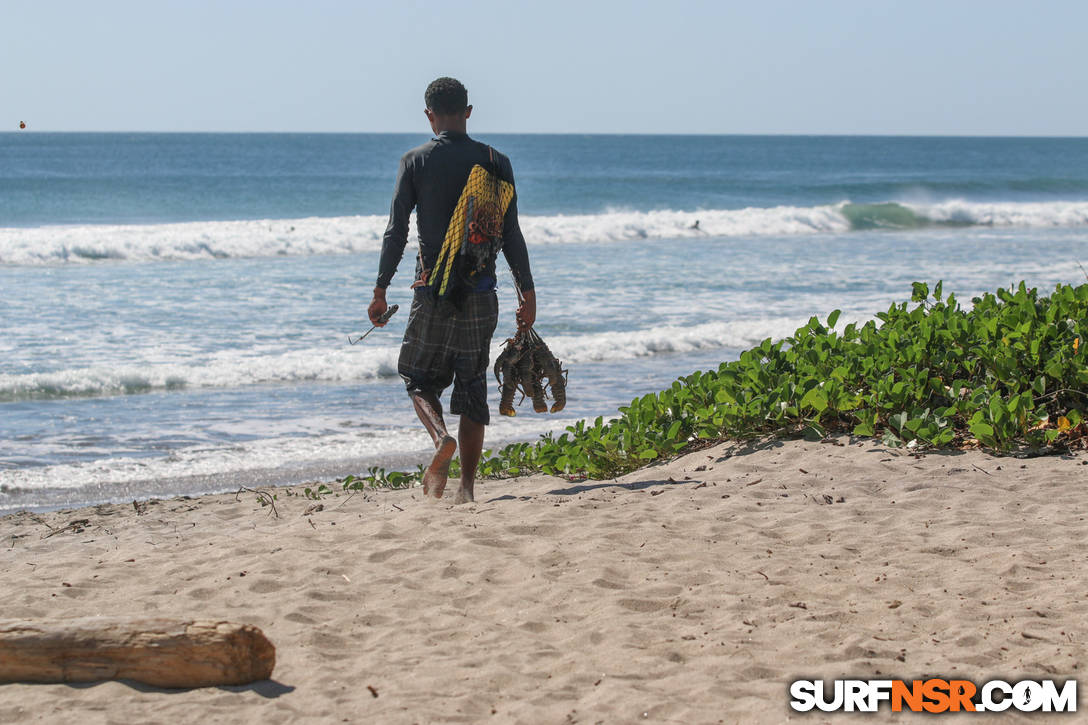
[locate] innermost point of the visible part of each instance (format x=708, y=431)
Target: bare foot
x=464, y=496
x=434, y=478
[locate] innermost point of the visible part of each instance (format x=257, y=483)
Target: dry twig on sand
x=264, y=496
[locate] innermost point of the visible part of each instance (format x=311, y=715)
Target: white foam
x=295, y=458
x=669, y=339
x=1004, y=214
x=224, y=369
x=616, y=226
x=346, y=235
x=190, y=240
x=344, y=364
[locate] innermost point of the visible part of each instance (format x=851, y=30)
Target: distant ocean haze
x=175, y=307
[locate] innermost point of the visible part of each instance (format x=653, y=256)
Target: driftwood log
x=157, y=652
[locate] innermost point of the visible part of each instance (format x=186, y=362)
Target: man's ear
x=468, y=111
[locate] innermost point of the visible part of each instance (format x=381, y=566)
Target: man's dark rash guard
x=431, y=178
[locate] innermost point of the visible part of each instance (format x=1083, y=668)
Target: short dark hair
x=446, y=96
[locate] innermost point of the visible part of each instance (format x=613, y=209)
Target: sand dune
x=687, y=592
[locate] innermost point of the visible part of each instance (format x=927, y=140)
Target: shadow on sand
x=269, y=689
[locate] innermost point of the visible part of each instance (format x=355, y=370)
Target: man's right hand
x=377, y=307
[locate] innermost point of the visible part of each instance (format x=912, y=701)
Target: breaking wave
x=346, y=235
x=346, y=366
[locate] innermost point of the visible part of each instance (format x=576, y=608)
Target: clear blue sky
x=820, y=66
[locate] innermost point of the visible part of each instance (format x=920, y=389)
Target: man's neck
x=452, y=128
x=455, y=123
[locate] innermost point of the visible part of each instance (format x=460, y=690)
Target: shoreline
x=694, y=589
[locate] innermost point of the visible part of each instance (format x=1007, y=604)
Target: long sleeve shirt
x=430, y=179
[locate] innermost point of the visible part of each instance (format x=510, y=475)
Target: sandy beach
x=692, y=591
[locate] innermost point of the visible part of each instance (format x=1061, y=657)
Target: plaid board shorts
x=443, y=344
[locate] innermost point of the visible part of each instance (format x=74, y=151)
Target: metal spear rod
x=381, y=321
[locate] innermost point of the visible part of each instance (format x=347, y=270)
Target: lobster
x=506, y=374
x=524, y=364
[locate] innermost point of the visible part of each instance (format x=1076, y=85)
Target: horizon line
x=567, y=133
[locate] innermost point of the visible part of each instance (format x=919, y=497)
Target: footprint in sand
x=471, y=600
x=758, y=672
x=497, y=543
x=605, y=584
x=839, y=617
x=326, y=641
x=982, y=660
x=327, y=596
x=182, y=573
x=857, y=652
x=379, y=556
x=643, y=605
x=696, y=579
x=940, y=550
x=763, y=495
x=265, y=586
x=531, y=530
x=300, y=618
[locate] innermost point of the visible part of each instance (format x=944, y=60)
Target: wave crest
x=347, y=235
x=340, y=366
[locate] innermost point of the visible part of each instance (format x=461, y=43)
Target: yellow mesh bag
x=476, y=226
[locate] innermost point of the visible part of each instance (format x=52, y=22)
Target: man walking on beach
x=448, y=338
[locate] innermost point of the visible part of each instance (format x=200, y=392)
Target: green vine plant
x=1009, y=374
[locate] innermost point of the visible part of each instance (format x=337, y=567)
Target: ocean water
x=174, y=308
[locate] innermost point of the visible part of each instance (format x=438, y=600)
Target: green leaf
x=864, y=429
x=944, y=438
x=647, y=454
x=833, y=318
x=983, y=431
x=840, y=373
x=815, y=399
x=891, y=440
